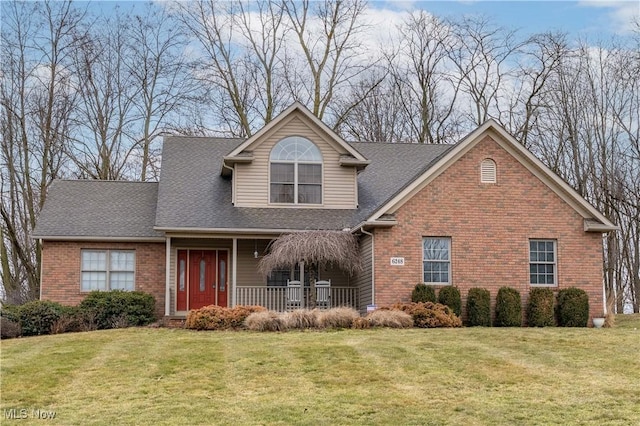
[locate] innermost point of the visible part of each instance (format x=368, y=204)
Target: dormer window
x=295, y=172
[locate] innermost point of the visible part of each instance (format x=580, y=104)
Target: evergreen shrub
x=479, y=307
x=508, y=308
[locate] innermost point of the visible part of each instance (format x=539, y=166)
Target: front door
x=207, y=279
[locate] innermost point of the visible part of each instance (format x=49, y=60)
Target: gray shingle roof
x=192, y=194
x=92, y=208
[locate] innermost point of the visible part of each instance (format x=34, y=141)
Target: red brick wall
x=61, y=270
x=490, y=226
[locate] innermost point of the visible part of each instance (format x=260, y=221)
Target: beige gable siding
x=252, y=180
x=247, y=268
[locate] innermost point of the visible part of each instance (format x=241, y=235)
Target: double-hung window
x=295, y=172
x=436, y=260
x=108, y=270
x=542, y=262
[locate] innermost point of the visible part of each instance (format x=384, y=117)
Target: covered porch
x=223, y=270
x=275, y=298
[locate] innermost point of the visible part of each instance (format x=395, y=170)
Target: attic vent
x=488, y=171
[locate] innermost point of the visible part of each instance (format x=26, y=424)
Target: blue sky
x=592, y=19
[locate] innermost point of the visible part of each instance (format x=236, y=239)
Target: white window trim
x=295, y=176
x=108, y=268
x=554, y=263
x=448, y=239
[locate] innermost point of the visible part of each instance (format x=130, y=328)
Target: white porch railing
x=274, y=298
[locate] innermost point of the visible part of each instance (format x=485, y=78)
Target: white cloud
x=621, y=12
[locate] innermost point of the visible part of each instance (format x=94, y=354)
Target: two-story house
x=480, y=213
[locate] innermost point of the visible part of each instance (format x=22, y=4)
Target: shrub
x=573, y=307
x=362, y=323
x=117, y=308
x=219, y=318
x=540, y=307
x=265, y=321
x=450, y=296
x=9, y=328
x=301, y=319
x=479, y=307
x=429, y=314
x=423, y=293
x=508, y=308
x=341, y=317
x=37, y=317
x=389, y=318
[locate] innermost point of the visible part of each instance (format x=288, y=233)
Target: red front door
x=207, y=279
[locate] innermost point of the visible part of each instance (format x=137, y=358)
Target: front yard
x=464, y=376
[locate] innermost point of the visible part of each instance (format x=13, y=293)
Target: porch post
x=302, y=298
x=234, y=269
x=167, y=274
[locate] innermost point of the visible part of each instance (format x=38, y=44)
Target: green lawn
x=468, y=376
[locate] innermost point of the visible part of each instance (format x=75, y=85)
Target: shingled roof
x=193, y=195
x=89, y=209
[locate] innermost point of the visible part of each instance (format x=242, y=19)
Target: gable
x=303, y=114
x=593, y=219
x=250, y=164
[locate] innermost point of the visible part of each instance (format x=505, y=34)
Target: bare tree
x=328, y=40
x=107, y=91
x=379, y=117
x=241, y=62
x=421, y=78
x=37, y=100
x=481, y=56
x=160, y=70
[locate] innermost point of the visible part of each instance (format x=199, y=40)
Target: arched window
x=296, y=172
x=488, y=171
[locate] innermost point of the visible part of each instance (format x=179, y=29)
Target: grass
x=470, y=376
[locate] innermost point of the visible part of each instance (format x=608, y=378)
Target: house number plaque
x=397, y=261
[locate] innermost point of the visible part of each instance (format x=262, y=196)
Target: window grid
x=436, y=260
x=296, y=172
x=107, y=270
x=542, y=262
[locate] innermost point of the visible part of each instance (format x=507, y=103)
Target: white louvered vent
x=488, y=171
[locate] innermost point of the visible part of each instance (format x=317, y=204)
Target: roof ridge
x=102, y=180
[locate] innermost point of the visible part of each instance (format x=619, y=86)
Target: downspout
x=373, y=266
x=167, y=284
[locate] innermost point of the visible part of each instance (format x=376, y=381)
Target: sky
x=591, y=19
x=583, y=18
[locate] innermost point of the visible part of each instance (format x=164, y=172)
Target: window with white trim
x=436, y=260
x=488, y=171
x=108, y=270
x=295, y=171
x=542, y=262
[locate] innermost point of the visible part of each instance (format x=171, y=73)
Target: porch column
x=302, y=298
x=234, y=269
x=167, y=273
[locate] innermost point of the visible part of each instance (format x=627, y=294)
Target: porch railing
x=274, y=298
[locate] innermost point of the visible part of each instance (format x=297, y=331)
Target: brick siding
x=490, y=226
x=61, y=270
